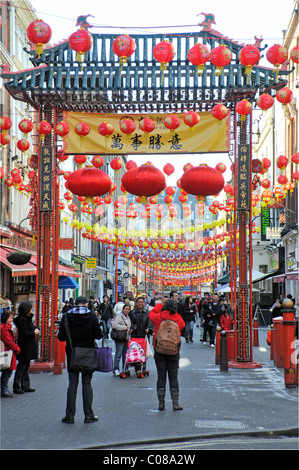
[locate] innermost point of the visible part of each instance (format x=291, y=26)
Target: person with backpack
x=168, y=325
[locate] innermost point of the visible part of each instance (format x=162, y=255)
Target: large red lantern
x=25, y=126
x=198, y=55
x=123, y=46
x=191, y=118
x=147, y=125
x=220, y=56
x=5, y=124
x=265, y=101
x=202, y=180
x=294, y=54
x=277, y=55
x=249, y=56
x=243, y=107
x=89, y=182
x=39, y=33
x=127, y=125
x=284, y=96
x=219, y=111
x=164, y=52
x=145, y=180
x=105, y=129
x=81, y=42
x=172, y=122
x=62, y=128
x=168, y=169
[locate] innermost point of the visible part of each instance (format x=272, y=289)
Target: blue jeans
x=87, y=394
x=189, y=329
x=121, y=348
x=5, y=376
x=106, y=324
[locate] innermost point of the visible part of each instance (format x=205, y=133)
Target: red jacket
x=226, y=322
x=8, y=338
x=156, y=316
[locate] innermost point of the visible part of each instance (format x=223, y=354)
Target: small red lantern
x=220, y=167
x=81, y=42
x=294, y=54
x=130, y=164
x=116, y=164
x=265, y=101
x=198, y=55
x=284, y=96
x=170, y=190
x=266, y=163
x=5, y=124
x=249, y=56
x=282, y=162
x=62, y=128
x=164, y=52
x=1, y=173
x=33, y=162
x=145, y=180
x=89, y=182
x=282, y=179
x=97, y=161
x=25, y=126
x=43, y=128
x=123, y=46
x=220, y=56
x=9, y=182
x=147, y=125
x=127, y=125
x=295, y=158
x=105, y=129
x=295, y=176
x=80, y=159
x=219, y=111
x=82, y=129
x=168, y=169
x=243, y=107
x=172, y=122
x=191, y=118
x=23, y=145
x=202, y=180
x=4, y=139
x=39, y=33
x=277, y=55
x=266, y=184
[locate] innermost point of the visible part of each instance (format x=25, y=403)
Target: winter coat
x=26, y=338
x=226, y=322
x=8, y=338
x=189, y=312
x=139, y=323
x=157, y=315
x=106, y=311
x=84, y=328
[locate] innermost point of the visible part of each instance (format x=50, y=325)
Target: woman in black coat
x=189, y=318
x=27, y=332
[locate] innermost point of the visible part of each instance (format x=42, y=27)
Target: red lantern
x=220, y=56
x=43, y=128
x=191, y=119
x=23, y=145
x=198, y=55
x=277, y=55
x=257, y=165
x=284, y=96
x=243, y=107
x=130, y=164
x=39, y=33
x=147, y=125
x=145, y=180
x=202, y=180
x=97, y=161
x=89, y=182
x=61, y=156
x=164, y=52
x=170, y=190
x=249, y=56
x=127, y=125
x=81, y=42
x=4, y=139
x=172, y=122
x=295, y=158
x=294, y=54
x=33, y=162
x=82, y=129
x=266, y=163
x=282, y=162
x=282, y=179
x=220, y=167
x=219, y=111
x=168, y=169
x=105, y=129
x=62, y=128
x=1, y=173
x=265, y=101
x=295, y=176
x=25, y=126
x=5, y=124
x=116, y=164
x=80, y=159
x=266, y=184
x=123, y=46
x=9, y=182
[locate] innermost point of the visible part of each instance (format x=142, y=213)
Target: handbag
x=5, y=357
x=82, y=359
x=104, y=358
x=119, y=335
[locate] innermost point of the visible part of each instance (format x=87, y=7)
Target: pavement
x=216, y=403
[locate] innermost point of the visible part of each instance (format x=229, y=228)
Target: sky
x=238, y=20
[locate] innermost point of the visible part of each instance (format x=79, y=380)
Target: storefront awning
x=266, y=276
x=66, y=282
x=29, y=269
x=293, y=275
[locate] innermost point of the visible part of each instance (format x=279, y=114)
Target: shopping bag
x=5, y=357
x=105, y=360
x=149, y=352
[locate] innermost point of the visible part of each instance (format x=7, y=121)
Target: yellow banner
x=209, y=135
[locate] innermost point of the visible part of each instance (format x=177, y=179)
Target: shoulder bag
x=5, y=357
x=82, y=359
x=119, y=335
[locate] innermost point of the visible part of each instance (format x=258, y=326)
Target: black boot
x=174, y=393
x=161, y=398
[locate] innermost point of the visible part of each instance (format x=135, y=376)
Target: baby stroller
x=136, y=357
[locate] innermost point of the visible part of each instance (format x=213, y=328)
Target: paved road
x=219, y=407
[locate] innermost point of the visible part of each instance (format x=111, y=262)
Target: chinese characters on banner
x=46, y=179
x=207, y=136
x=244, y=184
